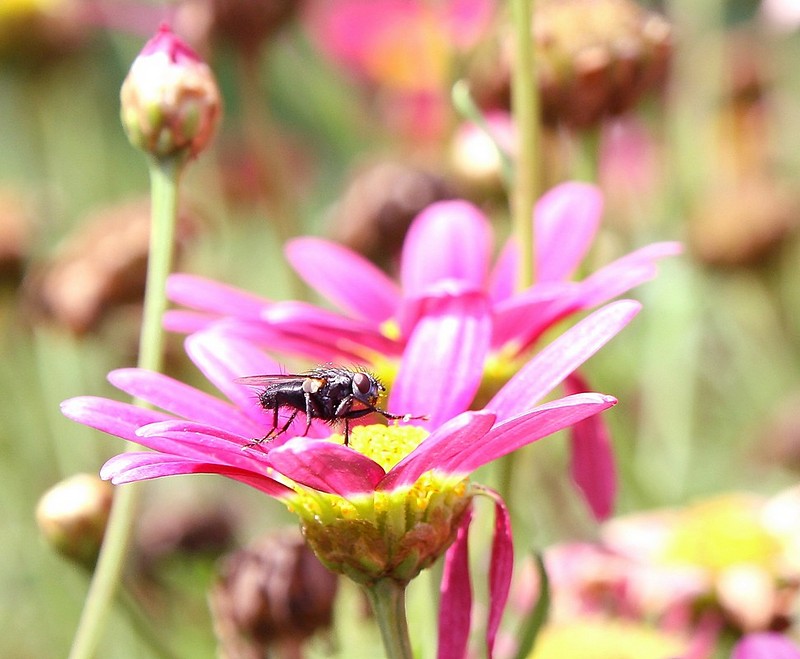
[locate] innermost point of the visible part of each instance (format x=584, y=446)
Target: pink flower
x=765, y=645
x=405, y=50
x=447, y=252
x=447, y=255
x=388, y=505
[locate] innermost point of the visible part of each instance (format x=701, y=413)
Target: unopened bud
x=72, y=516
x=170, y=100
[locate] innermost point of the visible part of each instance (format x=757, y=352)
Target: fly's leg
x=273, y=432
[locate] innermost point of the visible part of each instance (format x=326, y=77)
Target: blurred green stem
x=164, y=177
x=524, y=106
x=587, y=157
x=388, y=600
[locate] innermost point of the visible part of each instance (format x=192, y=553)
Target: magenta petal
x=208, y=295
x=455, y=605
x=624, y=274
x=111, y=416
x=447, y=240
x=592, y=460
x=464, y=430
x=132, y=467
x=347, y=279
x=325, y=466
x=222, y=360
x=500, y=568
x=765, y=645
x=199, y=442
x=565, y=354
x=566, y=218
x=443, y=363
x=526, y=428
x=186, y=322
x=522, y=318
x=182, y=400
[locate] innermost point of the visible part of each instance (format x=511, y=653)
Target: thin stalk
x=105, y=581
x=524, y=106
x=388, y=600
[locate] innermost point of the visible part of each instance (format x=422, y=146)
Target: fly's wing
x=266, y=380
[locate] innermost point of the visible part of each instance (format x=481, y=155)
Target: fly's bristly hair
x=328, y=392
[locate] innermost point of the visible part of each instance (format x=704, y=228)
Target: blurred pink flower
x=197, y=433
x=405, y=49
x=765, y=645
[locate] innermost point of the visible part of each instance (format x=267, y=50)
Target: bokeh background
x=316, y=135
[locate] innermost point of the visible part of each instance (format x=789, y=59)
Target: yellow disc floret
x=384, y=534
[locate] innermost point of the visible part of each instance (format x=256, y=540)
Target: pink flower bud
x=170, y=99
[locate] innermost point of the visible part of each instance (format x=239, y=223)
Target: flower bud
x=72, y=516
x=170, y=100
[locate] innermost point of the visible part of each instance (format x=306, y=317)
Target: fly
x=329, y=393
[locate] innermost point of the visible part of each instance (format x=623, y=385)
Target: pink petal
x=503, y=278
x=222, y=360
x=345, y=278
x=208, y=295
x=111, y=416
x=567, y=218
x=624, y=274
x=765, y=645
x=524, y=429
x=327, y=327
x=500, y=568
x=182, y=400
x=278, y=340
x=464, y=430
x=326, y=466
x=199, y=442
x=523, y=318
x=186, y=322
x=132, y=467
x=447, y=240
x=566, y=353
x=592, y=462
x=443, y=363
x=455, y=605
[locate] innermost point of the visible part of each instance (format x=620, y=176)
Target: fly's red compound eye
x=362, y=383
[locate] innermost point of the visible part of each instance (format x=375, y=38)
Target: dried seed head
x=378, y=206
x=594, y=58
x=272, y=593
x=102, y=266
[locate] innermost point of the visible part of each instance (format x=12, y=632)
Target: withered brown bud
x=241, y=24
x=594, y=58
x=379, y=204
x=597, y=57
x=101, y=266
x=273, y=593
x=72, y=516
x=742, y=222
x=171, y=528
x=16, y=234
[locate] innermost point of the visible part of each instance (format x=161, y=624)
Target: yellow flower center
x=380, y=534
x=722, y=532
x=605, y=639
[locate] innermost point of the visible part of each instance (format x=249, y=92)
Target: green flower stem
x=524, y=105
x=164, y=176
x=388, y=600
